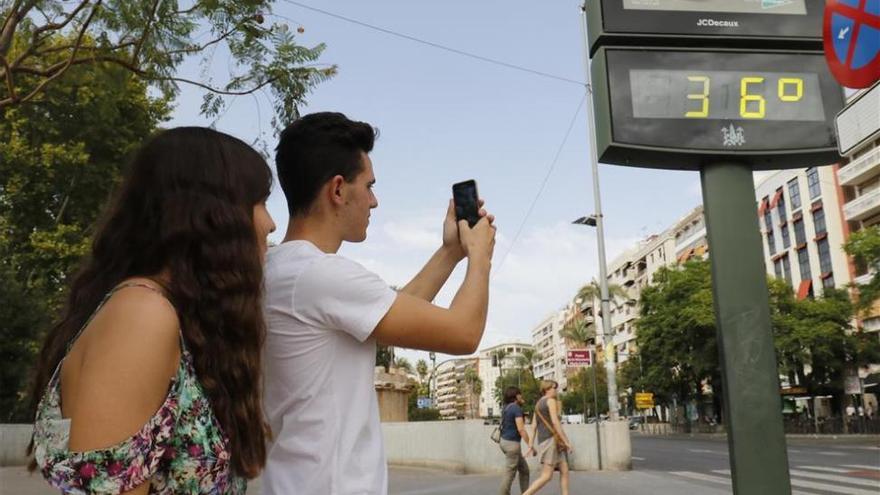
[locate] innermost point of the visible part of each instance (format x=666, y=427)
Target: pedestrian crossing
x=848, y=479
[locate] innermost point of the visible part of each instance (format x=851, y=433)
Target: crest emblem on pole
x=733, y=136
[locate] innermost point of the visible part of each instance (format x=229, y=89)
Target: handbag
x=495, y=436
x=560, y=445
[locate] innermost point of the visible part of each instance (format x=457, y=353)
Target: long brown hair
x=185, y=208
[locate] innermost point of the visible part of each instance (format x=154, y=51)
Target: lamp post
x=596, y=221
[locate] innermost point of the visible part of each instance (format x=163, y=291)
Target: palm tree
x=422, y=370
x=593, y=291
x=500, y=355
x=402, y=363
x=579, y=329
x=527, y=360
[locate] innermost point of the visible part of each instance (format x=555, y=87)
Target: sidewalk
x=410, y=481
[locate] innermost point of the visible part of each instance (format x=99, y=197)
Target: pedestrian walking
x=553, y=445
x=513, y=432
x=151, y=380
x=326, y=313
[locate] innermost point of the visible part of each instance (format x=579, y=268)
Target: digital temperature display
x=726, y=95
x=674, y=107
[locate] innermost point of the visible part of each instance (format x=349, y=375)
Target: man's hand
x=451, y=241
x=530, y=451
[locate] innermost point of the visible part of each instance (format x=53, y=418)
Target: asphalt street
x=674, y=465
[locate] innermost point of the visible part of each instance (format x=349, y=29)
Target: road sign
x=678, y=108
x=423, y=402
x=851, y=33
x=859, y=122
x=644, y=400
x=763, y=24
x=579, y=358
x=852, y=385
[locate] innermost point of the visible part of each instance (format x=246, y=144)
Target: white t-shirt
x=320, y=400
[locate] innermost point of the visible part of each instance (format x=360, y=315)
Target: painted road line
x=702, y=477
x=826, y=469
x=638, y=458
x=831, y=488
x=704, y=451
x=723, y=481
x=862, y=466
x=838, y=479
x=832, y=453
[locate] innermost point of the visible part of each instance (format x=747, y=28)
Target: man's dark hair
x=314, y=149
x=510, y=394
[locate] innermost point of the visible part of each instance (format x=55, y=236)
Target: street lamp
x=595, y=220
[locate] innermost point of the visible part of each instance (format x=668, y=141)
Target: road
x=661, y=466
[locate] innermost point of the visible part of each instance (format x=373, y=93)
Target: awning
x=686, y=255
x=762, y=207
x=776, y=198
x=804, y=289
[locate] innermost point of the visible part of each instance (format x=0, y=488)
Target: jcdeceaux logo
x=714, y=23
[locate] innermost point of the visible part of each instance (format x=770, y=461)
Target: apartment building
x=445, y=389
x=552, y=347
x=490, y=369
x=803, y=229
x=859, y=174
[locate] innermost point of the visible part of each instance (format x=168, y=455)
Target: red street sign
x=851, y=34
x=578, y=358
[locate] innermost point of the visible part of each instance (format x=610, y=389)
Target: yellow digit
x=798, y=88
x=704, y=97
x=746, y=98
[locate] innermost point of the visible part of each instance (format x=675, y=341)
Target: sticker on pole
x=851, y=33
x=579, y=358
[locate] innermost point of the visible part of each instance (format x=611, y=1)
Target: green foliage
x=422, y=370
x=403, y=363
x=23, y=319
x=60, y=158
x=413, y=411
x=384, y=355
x=580, y=386
x=864, y=246
x=525, y=381
x=152, y=40
x=676, y=332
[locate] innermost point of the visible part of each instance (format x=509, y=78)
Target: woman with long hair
x=553, y=445
x=150, y=382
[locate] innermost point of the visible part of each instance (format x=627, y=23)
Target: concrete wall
x=460, y=446
x=392, y=393
x=14, y=440
x=465, y=447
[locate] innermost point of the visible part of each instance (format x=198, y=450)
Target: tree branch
x=67, y=65
x=16, y=14
x=10, y=83
x=35, y=38
x=206, y=45
x=212, y=89
x=143, y=39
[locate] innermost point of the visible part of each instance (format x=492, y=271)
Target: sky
x=444, y=118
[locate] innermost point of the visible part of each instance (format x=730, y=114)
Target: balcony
x=863, y=207
x=860, y=169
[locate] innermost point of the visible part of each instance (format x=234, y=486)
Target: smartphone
x=465, y=198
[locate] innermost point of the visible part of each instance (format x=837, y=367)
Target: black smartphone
x=465, y=198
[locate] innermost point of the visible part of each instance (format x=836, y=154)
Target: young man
x=325, y=313
x=513, y=432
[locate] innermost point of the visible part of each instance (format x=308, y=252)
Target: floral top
x=180, y=450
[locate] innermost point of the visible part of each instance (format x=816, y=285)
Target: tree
x=816, y=335
x=580, y=392
x=422, y=370
x=403, y=363
x=384, y=356
x=864, y=247
x=677, y=335
x=527, y=359
x=60, y=157
x=42, y=42
x=527, y=383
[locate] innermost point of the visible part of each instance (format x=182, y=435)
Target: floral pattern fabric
x=180, y=450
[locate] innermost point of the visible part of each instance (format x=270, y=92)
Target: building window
x=786, y=269
x=786, y=237
x=828, y=282
x=794, y=193
x=780, y=205
x=777, y=268
x=804, y=264
x=800, y=236
x=819, y=221
x=771, y=243
x=768, y=218
x=813, y=183
x=824, y=255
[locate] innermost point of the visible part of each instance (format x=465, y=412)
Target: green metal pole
x=756, y=439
